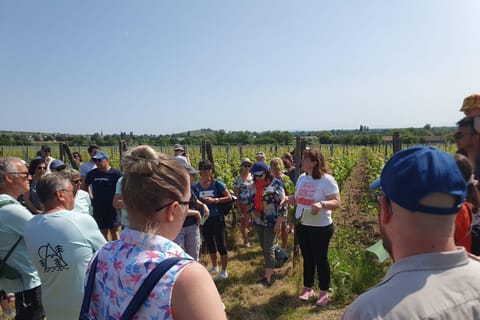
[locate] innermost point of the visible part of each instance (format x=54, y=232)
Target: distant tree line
x=362, y=136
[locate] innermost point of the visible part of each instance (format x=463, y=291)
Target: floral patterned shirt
x=123, y=265
x=272, y=195
x=245, y=188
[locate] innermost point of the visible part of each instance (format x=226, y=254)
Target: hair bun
x=141, y=160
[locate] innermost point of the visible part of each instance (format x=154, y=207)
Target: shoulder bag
x=143, y=292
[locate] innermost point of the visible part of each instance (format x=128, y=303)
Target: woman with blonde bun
x=156, y=193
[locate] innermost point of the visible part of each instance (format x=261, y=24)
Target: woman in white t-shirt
x=316, y=195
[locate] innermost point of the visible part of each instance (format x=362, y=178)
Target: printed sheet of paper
x=308, y=218
x=379, y=251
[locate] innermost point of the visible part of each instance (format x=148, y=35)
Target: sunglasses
x=378, y=196
x=98, y=160
x=41, y=168
x=47, y=150
x=247, y=165
x=73, y=191
x=169, y=203
x=258, y=175
x=21, y=174
x=77, y=181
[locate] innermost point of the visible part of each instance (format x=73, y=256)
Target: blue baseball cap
x=57, y=165
x=416, y=172
x=259, y=168
x=100, y=155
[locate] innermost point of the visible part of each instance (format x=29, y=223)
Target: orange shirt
x=463, y=236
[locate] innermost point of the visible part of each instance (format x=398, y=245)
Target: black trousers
x=214, y=234
x=314, y=243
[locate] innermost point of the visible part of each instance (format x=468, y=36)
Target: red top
x=463, y=222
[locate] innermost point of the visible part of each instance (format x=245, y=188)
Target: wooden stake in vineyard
x=207, y=152
x=66, y=153
x=123, y=147
x=300, y=146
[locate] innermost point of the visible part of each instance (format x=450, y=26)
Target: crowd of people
x=60, y=231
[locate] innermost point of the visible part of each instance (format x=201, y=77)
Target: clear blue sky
x=166, y=66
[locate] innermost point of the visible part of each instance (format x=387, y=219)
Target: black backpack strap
x=11, y=249
x=217, y=188
x=147, y=286
x=88, y=290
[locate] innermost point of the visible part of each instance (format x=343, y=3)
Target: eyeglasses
x=378, y=196
x=169, y=203
x=73, y=191
x=247, y=165
x=21, y=174
x=41, y=168
x=460, y=135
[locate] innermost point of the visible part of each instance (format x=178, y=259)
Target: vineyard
x=353, y=268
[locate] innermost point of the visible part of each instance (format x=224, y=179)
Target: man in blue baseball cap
x=103, y=180
x=422, y=190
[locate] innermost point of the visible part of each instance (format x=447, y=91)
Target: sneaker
x=306, y=294
x=265, y=283
x=213, y=270
x=322, y=299
x=222, y=275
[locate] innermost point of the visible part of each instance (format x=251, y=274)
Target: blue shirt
x=214, y=190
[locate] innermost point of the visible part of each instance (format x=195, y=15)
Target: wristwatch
x=322, y=203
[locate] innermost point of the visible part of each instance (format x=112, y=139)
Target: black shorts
x=105, y=216
x=28, y=305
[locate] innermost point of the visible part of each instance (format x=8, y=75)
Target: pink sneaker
x=306, y=294
x=322, y=299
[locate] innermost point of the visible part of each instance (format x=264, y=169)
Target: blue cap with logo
x=416, y=172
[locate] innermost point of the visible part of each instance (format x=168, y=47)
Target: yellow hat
x=471, y=102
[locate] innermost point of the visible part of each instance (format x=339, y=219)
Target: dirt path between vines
x=352, y=211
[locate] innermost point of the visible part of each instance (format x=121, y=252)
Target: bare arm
x=332, y=202
x=195, y=296
x=206, y=211
x=29, y=203
x=226, y=197
x=118, y=202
